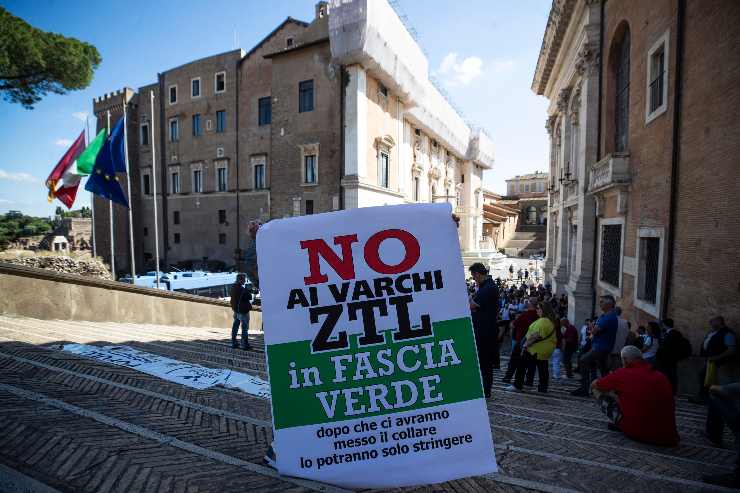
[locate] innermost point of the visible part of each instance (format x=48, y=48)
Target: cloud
x=63, y=142
x=502, y=66
x=20, y=176
x=5, y=201
x=456, y=72
x=80, y=115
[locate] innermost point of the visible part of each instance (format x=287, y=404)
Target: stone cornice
x=557, y=25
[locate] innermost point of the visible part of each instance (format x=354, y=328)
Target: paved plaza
x=76, y=424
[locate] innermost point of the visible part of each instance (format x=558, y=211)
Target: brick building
x=321, y=116
x=661, y=163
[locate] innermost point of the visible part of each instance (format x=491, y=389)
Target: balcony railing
x=611, y=171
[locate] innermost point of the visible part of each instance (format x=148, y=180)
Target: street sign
x=371, y=355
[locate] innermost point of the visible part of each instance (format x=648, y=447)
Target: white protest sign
x=188, y=374
x=370, y=348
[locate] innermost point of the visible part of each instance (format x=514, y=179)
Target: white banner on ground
x=370, y=348
x=187, y=374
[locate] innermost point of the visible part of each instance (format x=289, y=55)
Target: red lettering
x=410, y=244
x=344, y=266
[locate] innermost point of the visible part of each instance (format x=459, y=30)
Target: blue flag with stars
x=111, y=159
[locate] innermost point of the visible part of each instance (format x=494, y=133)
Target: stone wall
x=46, y=295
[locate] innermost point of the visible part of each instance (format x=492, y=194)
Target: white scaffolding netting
x=370, y=33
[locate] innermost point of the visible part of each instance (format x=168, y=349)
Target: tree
x=34, y=63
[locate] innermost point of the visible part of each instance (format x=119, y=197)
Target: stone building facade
x=661, y=171
x=529, y=193
x=333, y=114
x=500, y=220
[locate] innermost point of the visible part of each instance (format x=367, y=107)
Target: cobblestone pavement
x=80, y=425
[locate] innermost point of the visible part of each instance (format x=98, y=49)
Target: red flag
x=66, y=170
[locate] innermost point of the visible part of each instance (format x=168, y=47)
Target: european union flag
x=111, y=159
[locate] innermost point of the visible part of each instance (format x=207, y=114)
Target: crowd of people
x=631, y=372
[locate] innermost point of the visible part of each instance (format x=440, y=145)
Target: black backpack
x=683, y=348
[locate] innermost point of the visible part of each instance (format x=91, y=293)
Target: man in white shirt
x=623, y=330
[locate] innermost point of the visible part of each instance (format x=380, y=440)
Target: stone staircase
x=527, y=240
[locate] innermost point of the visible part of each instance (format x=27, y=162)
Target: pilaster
x=355, y=122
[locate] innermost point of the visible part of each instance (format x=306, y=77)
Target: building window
x=197, y=129
x=305, y=96
x=657, y=79
x=173, y=94
x=572, y=246
x=259, y=176
x=195, y=87
x=177, y=238
x=416, y=189
x=175, y=182
x=611, y=254
x=197, y=181
x=221, y=179
x=649, y=270
x=221, y=121
x=175, y=217
x=146, y=231
x=622, y=95
x=221, y=216
x=265, y=111
x=385, y=169
x=649, y=255
x=146, y=185
x=174, y=130
x=220, y=84
x=289, y=42
x=144, y=134
x=222, y=238
x=309, y=168
x=526, y=187
x=309, y=207
x=382, y=90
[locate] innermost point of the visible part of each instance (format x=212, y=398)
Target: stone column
x=550, y=230
x=580, y=286
x=560, y=272
x=355, y=133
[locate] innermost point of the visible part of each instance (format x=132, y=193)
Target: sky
x=483, y=52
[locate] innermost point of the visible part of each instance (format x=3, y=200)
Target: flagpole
x=130, y=200
x=154, y=187
x=92, y=197
x=110, y=218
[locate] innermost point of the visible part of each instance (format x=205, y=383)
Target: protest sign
x=371, y=355
x=188, y=374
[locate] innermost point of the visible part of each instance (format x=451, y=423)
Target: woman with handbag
x=539, y=345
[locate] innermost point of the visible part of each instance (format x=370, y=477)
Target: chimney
x=322, y=9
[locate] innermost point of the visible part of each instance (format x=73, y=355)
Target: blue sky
x=483, y=52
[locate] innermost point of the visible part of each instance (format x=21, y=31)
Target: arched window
x=621, y=67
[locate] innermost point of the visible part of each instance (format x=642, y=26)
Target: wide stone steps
x=82, y=425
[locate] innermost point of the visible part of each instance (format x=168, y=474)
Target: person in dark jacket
x=671, y=351
x=484, y=310
x=718, y=349
x=724, y=410
x=241, y=305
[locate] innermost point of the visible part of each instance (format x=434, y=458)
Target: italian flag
x=77, y=162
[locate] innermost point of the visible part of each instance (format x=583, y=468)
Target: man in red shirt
x=520, y=326
x=638, y=400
